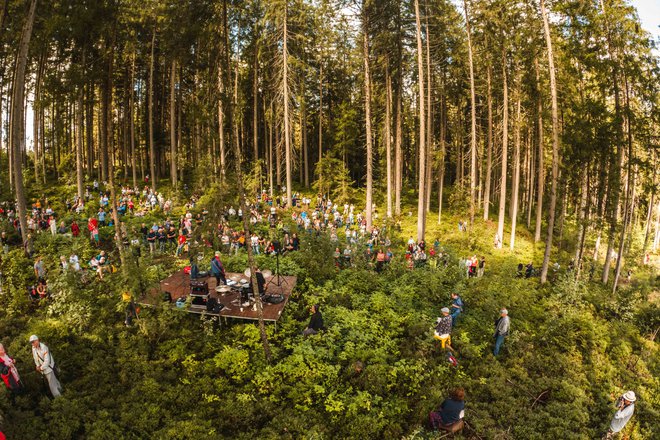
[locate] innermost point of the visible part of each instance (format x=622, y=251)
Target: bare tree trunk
x=489, y=140
x=320, y=112
x=581, y=219
x=429, y=114
x=255, y=108
x=398, y=136
x=270, y=149
x=388, y=135
x=173, y=153
x=555, y=146
x=79, y=140
x=367, y=116
x=287, y=130
x=516, y=173
x=152, y=147
x=18, y=117
x=221, y=125
x=473, y=127
x=540, y=172
x=421, y=208
x=443, y=147
x=505, y=142
x=35, y=113
x=131, y=111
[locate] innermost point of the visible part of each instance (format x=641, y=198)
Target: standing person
x=456, y=307
x=45, y=364
x=450, y=413
x=443, y=328
x=625, y=407
x=75, y=229
x=9, y=372
x=217, y=269
x=151, y=239
x=502, y=326
x=53, y=225
x=315, y=322
x=39, y=270
x=5, y=242
x=482, y=266
x=182, y=243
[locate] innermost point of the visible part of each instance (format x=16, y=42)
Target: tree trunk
x=287, y=129
x=320, y=112
x=367, y=116
x=516, y=173
x=581, y=219
x=398, y=136
x=18, y=117
x=173, y=160
x=388, y=135
x=429, y=114
x=152, y=147
x=221, y=125
x=489, y=140
x=555, y=146
x=79, y=140
x=35, y=118
x=443, y=146
x=131, y=111
x=540, y=172
x=255, y=108
x=505, y=142
x=421, y=208
x=473, y=114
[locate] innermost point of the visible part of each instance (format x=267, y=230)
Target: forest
x=384, y=154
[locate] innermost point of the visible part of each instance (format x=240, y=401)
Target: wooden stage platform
x=178, y=285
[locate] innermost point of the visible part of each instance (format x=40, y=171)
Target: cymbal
x=247, y=272
x=267, y=273
x=223, y=289
x=236, y=277
x=243, y=281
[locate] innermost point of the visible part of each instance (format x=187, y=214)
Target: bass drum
x=274, y=299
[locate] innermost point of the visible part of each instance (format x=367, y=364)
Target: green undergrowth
x=376, y=372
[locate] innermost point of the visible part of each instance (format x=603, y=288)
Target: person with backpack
x=443, y=328
x=9, y=373
x=502, y=326
x=45, y=364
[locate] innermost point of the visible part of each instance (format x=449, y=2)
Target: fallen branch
x=540, y=395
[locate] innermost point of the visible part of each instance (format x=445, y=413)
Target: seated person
x=450, y=413
x=32, y=291
x=519, y=273
x=443, y=328
x=194, y=270
x=42, y=289
x=529, y=270
x=315, y=322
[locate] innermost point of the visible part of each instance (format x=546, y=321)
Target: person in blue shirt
x=450, y=413
x=217, y=269
x=101, y=215
x=456, y=307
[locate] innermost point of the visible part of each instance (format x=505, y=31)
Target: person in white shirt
x=625, y=408
x=45, y=364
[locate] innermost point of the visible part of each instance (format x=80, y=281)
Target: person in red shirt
x=181, y=241
x=75, y=229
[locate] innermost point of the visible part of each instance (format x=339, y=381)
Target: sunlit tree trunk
x=131, y=111
x=18, y=117
x=152, y=148
x=421, y=208
x=489, y=142
x=367, y=115
x=516, y=174
x=388, y=135
x=540, y=171
x=173, y=152
x=473, y=114
x=555, y=145
x=287, y=129
x=505, y=142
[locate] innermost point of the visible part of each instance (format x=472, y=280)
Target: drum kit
x=240, y=283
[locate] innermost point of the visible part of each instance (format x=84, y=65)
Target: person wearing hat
x=45, y=364
x=217, y=270
x=625, y=408
x=502, y=326
x=443, y=328
x=315, y=322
